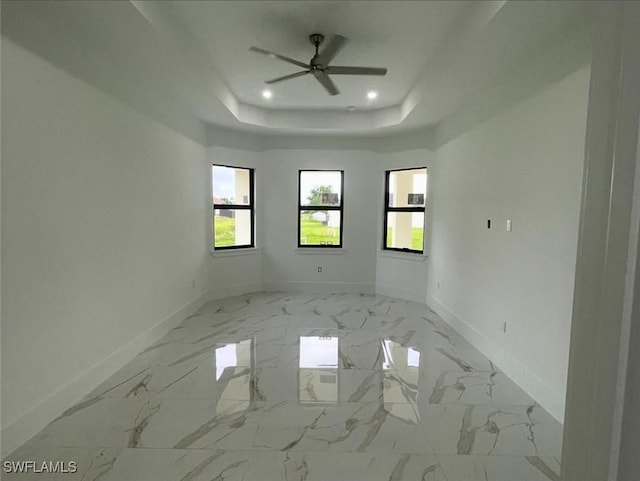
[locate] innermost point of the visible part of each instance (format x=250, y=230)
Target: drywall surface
x=349, y=269
x=404, y=275
x=235, y=272
x=103, y=240
x=523, y=165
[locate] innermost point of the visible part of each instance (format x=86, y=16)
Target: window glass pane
x=320, y=227
x=320, y=188
x=405, y=230
x=231, y=227
x=231, y=185
x=407, y=188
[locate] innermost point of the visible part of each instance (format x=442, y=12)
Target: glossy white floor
x=305, y=387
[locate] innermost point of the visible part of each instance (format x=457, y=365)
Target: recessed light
x=372, y=94
x=267, y=94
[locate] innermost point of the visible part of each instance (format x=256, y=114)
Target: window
x=232, y=207
x=320, y=208
x=405, y=197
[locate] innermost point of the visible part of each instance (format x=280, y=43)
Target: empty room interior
x=281, y=240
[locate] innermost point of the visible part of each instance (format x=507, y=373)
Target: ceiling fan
x=319, y=66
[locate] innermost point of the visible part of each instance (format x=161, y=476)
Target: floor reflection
x=317, y=369
x=234, y=366
x=401, y=368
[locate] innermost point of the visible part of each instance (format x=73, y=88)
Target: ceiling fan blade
x=281, y=57
x=287, y=77
x=327, y=83
x=332, y=48
x=355, y=71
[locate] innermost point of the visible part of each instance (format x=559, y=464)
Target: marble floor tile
x=201, y=424
x=312, y=466
x=435, y=361
x=303, y=387
x=174, y=464
x=99, y=422
x=499, y=468
x=155, y=423
x=492, y=388
x=492, y=430
x=204, y=380
x=371, y=427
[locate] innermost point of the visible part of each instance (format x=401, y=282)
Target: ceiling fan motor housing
x=316, y=39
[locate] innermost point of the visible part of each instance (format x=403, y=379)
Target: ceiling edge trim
x=218, y=136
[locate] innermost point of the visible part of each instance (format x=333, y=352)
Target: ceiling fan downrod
x=316, y=39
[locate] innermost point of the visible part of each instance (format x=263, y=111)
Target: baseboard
x=21, y=430
x=320, y=287
x=545, y=395
x=400, y=293
x=232, y=291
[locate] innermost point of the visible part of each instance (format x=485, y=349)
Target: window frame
x=250, y=207
x=339, y=208
x=387, y=209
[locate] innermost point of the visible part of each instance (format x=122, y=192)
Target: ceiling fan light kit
x=319, y=66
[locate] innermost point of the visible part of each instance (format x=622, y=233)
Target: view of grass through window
x=224, y=231
x=320, y=227
x=232, y=228
x=320, y=208
x=417, y=237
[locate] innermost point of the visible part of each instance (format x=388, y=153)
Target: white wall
x=525, y=164
x=602, y=428
x=104, y=238
x=286, y=267
x=232, y=272
x=398, y=274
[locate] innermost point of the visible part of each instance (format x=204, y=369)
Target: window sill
x=408, y=256
x=248, y=251
x=320, y=250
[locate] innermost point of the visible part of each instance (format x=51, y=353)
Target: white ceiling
x=377, y=32
x=188, y=62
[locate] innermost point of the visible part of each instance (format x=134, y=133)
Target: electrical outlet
x=319, y=269
x=438, y=286
x=504, y=327
x=193, y=284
